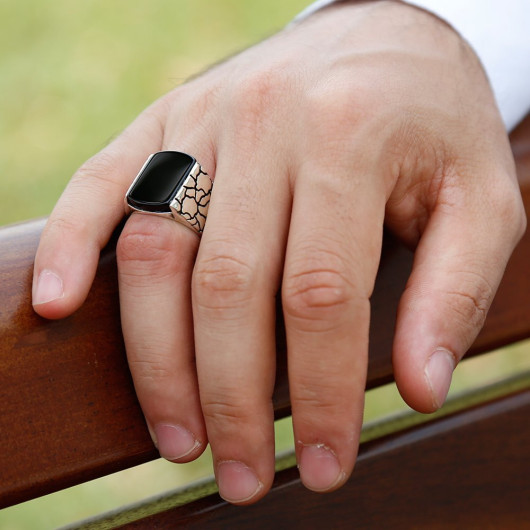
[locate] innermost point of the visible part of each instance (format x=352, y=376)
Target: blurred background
x=72, y=76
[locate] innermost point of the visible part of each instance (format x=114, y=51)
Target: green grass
x=73, y=74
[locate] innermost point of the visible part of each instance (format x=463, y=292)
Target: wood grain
x=69, y=412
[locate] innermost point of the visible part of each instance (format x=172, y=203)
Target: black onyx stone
x=159, y=181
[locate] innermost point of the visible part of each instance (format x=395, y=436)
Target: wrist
x=385, y=23
x=497, y=32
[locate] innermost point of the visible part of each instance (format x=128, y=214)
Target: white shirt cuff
x=500, y=35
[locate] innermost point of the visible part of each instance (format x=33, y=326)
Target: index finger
x=85, y=216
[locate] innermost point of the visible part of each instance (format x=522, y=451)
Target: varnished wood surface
x=465, y=471
x=69, y=412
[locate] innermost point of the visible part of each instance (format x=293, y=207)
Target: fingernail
x=174, y=442
x=319, y=468
x=237, y=482
x=49, y=287
x=439, y=372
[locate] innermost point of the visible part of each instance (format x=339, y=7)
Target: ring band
x=172, y=184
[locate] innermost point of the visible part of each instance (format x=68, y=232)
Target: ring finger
x=234, y=287
x=332, y=258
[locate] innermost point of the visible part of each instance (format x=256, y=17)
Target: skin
x=363, y=115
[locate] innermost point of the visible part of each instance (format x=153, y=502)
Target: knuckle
x=259, y=85
x=313, y=408
x=150, y=370
x=313, y=392
x=146, y=243
x=523, y=222
x=342, y=106
x=315, y=294
x=471, y=301
x=513, y=214
x=321, y=105
x=255, y=96
x=64, y=226
x=222, y=414
x=342, y=117
x=506, y=208
x=100, y=170
x=329, y=413
x=222, y=280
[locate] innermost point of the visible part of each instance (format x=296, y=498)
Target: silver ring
x=172, y=184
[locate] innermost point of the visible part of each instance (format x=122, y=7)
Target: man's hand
x=363, y=114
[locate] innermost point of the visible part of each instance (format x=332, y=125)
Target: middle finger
x=233, y=292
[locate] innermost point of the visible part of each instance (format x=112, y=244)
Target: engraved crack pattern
x=193, y=199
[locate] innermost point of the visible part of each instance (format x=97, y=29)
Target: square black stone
x=159, y=181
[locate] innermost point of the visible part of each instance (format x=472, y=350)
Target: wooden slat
x=69, y=412
x=466, y=470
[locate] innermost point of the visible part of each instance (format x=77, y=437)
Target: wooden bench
x=69, y=414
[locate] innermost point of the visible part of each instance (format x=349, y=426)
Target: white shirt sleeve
x=499, y=32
